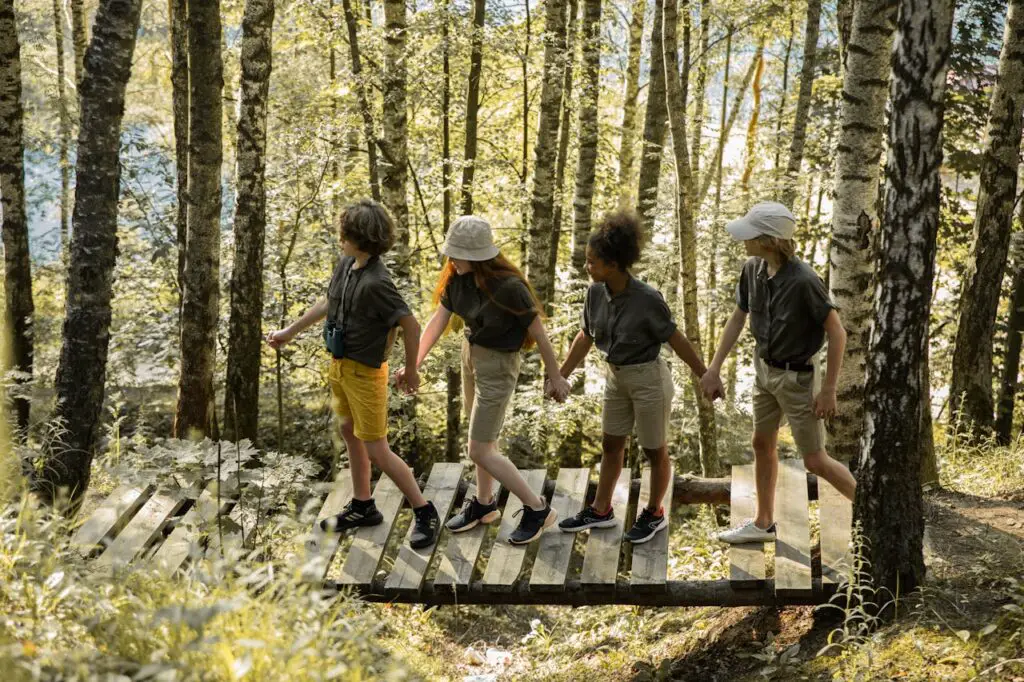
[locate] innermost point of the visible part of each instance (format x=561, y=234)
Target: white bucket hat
x=470, y=238
x=765, y=218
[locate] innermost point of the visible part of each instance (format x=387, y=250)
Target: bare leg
x=613, y=449
x=487, y=457
x=358, y=461
x=661, y=473
x=820, y=464
x=395, y=469
x=484, y=486
x=766, y=473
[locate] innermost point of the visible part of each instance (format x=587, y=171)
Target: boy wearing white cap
x=791, y=313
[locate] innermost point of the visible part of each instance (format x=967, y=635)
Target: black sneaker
x=473, y=513
x=426, y=528
x=355, y=514
x=532, y=524
x=588, y=518
x=646, y=526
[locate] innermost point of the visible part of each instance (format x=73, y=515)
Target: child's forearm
x=687, y=353
x=732, y=331
x=411, y=339
x=836, y=349
x=317, y=312
x=431, y=333
x=544, y=346
x=577, y=351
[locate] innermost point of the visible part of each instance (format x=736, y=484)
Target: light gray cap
x=470, y=238
x=765, y=218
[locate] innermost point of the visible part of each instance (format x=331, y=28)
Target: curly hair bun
x=618, y=239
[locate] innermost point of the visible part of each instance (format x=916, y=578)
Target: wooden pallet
x=170, y=530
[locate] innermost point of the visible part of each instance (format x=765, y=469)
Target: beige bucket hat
x=470, y=238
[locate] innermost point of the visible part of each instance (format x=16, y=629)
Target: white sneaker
x=748, y=532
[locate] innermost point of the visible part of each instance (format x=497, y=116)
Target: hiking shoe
x=588, y=518
x=748, y=532
x=355, y=514
x=473, y=513
x=646, y=526
x=426, y=528
x=532, y=524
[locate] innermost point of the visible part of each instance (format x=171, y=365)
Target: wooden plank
x=746, y=561
x=836, y=514
x=554, y=549
x=411, y=564
x=793, y=530
x=185, y=541
x=601, y=562
x=368, y=543
x=142, y=530
x=110, y=517
x=507, y=560
x=650, y=559
x=462, y=551
x=322, y=545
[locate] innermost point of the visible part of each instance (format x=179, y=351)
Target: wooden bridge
x=139, y=523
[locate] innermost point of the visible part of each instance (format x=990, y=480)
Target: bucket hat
x=470, y=238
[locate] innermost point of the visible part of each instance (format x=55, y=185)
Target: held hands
x=557, y=389
x=824, y=404
x=407, y=379
x=278, y=338
x=711, y=385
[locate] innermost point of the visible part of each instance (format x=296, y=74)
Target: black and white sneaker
x=355, y=514
x=588, y=518
x=426, y=528
x=646, y=526
x=472, y=514
x=532, y=524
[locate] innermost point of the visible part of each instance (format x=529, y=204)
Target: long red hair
x=487, y=275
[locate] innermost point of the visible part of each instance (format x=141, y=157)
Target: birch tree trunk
x=655, y=119
x=79, y=39
x=473, y=103
x=193, y=416
x=64, y=128
x=242, y=390
x=564, y=131
x=700, y=93
x=888, y=502
x=362, y=94
x=539, y=252
x=627, y=140
x=803, y=103
x=1011, y=359
x=82, y=369
x=586, y=167
x=178, y=30
x=970, y=393
x=525, y=156
x=17, y=265
x=783, y=91
x=453, y=373
x=676, y=105
x=855, y=213
x=712, y=325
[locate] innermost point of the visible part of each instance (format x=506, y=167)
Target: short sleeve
x=818, y=299
x=660, y=318
x=388, y=303
x=515, y=296
x=742, y=291
x=587, y=329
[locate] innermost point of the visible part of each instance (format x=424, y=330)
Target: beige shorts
x=641, y=394
x=488, y=382
x=782, y=393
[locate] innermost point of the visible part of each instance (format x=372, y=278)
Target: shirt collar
x=762, y=270
x=608, y=295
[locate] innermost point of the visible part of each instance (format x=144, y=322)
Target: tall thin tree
x=1011, y=358
x=64, y=126
x=564, y=130
x=655, y=119
x=476, y=58
x=627, y=139
x=177, y=19
x=803, y=103
x=79, y=38
x=363, y=95
x=453, y=373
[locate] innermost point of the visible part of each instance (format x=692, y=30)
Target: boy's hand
x=711, y=385
x=278, y=338
x=557, y=388
x=409, y=381
x=824, y=404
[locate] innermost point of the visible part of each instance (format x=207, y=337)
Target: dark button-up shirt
x=366, y=304
x=496, y=319
x=787, y=311
x=630, y=326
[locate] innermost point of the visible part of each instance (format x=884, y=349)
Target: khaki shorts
x=641, y=394
x=360, y=393
x=782, y=393
x=488, y=382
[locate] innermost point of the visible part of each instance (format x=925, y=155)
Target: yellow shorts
x=360, y=393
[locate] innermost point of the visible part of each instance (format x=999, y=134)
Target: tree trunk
x=855, y=213
x=750, y=158
x=79, y=39
x=476, y=56
x=970, y=393
x=627, y=141
x=453, y=373
x=193, y=417
x=844, y=24
x=545, y=151
x=178, y=29
x=82, y=369
x=701, y=92
x=242, y=391
x=783, y=91
x=803, y=103
x=586, y=168
x=655, y=118
x=64, y=128
x=564, y=132
x=676, y=105
x=929, y=463
x=717, y=169
x=17, y=265
x=888, y=502
x=524, y=207
x=1011, y=359
x=362, y=94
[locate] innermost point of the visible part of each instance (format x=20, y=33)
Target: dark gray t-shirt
x=630, y=326
x=366, y=303
x=498, y=321
x=787, y=311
